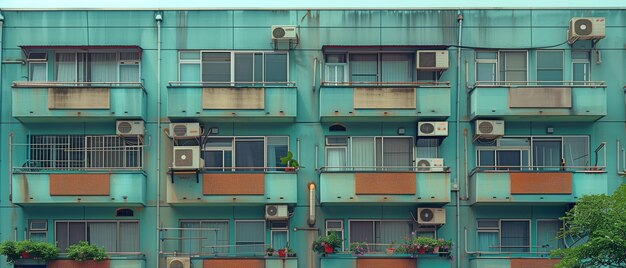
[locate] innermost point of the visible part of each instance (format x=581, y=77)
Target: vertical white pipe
x=158, y=17
x=457, y=136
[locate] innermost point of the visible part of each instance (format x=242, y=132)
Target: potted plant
x=292, y=164
x=444, y=247
x=282, y=253
x=28, y=249
x=358, y=249
x=326, y=244
x=83, y=251
x=291, y=252
x=391, y=249
x=420, y=245
x=269, y=251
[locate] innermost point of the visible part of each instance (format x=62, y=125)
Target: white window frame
x=537, y=65
x=340, y=230
x=97, y=51
x=86, y=222
x=180, y=222
x=477, y=61
x=499, y=231
x=333, y=67
x=500, y=52
x=278, y=230
x=264, y=234
x=32, y=230
x=30, y=68
x=586, y=61
x=374, y=226
x=233, y=148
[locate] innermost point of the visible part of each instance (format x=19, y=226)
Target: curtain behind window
x=38, y=71
x=65, y=67
x=364, y=67
x=250, y=237
x=487, y=242
x=515, y=236
x=279, y=239
x=392, y=232
x=103, y=67
x=188, y=242
x=249, y=153
x=103, y=234
x=335, y=157
x=546, y=235
x=362, y=231
x=129, y=237
x=363, y=152
x=397, y=67
x=215, y=241
x=397, y=152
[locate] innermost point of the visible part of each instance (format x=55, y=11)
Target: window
x=369, y=152
x=549, y=67
x=379, y=234
x=204, y=237
x=335, y=227
x=64, y=152
x=245, y=153
x=381, y=67
x=546, y=153
x=38, y=230
x=243, y=68
x=547, y=231
x=37, y=66
x=336, y=68
x=114, y=236
x=97, y=66
x=250, y=237
x=486, y=66
x=503, y=235
x=513, y=66
x=279, y=234
x=581, y=66
x=426, y=147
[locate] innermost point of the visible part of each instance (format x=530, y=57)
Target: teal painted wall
x=250, y=30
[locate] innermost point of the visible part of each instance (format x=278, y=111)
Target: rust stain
x=384, y=183
x=234, y=263
x=80, y=184
x=395, y=263
x=534, y=263
x=541, y=183
x=233, y=184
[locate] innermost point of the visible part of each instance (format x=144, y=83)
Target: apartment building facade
x=159, y=134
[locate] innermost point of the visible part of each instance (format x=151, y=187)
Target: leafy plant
x=35, y=250
x=332, y=241
x=83, y=251
x=444, y=245
x=270, y=250
x=358, y=248
x=289, y=160
x=418, y=245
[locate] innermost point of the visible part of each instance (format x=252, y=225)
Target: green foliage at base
x=34, y=250
x=83, y=251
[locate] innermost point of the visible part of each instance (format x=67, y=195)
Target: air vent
x=180, y=130
x=485, y=127
x=186, y=157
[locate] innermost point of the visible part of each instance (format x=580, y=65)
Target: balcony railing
x=592, y=84
x=384, y=169
x=233, y=84
x=18, y=84
x=386, y=84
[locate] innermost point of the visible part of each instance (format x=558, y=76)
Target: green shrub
x=35, y=250
x=331, y=240
x=83, y=251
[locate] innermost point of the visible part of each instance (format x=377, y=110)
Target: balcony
x=352, y=102
x=268, y=262
x=232, y=188
x=37, y=102
x=349, y=186
x=488, y=262
x=492, y=187
x=381, y=260
x=214, y=102
x=567, y=101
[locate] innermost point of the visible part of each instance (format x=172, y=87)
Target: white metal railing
x=249, y=169
x=18, y=84
x=198, y=241
x=384, y=169
x=77, y=152
x=402, y=84
x=230, y=84
x=539, y=84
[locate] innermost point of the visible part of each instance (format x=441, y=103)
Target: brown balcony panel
x=534, y=263
x=77, y=264
x=233, y=98
x=384, y=98
x=541, y=183
x=233, y=184
x=377, y=263
x=80, y=184
x=79, y=98
x=540, y=97
x=234, y=263
x=384, y=183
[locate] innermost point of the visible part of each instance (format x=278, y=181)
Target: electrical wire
x=509, y=48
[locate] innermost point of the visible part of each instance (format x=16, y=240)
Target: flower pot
x=421, y=250
x=390, y=251
x=25, y=255
x=328, y=249
x=436, y=249
x=290, y=169
x=282, y=253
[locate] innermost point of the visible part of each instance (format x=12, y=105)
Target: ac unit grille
x=272, y=210
x=124, y=127
x=184, y=158
x=428, y=59
x=485, y=127
x=180, y=130
x=427, y=128
x=583, y=27
x=278, y=32
x=176, y=264
x=426, y=215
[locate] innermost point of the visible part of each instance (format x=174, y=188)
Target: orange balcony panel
x=234, y=263
x=385, y=183
x=77, y=264
x=80, y=184
x=376, y=263
x=541, y=183
x=233, y=184
x=535, y=263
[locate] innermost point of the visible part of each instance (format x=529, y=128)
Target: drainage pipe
x=457, y=137
x=158, y=18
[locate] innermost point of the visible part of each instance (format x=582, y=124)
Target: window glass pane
x=275, y=67
x=491, y=55
x=190, y=72
x=216, y=67
x=364, y=67
x=426, y=76
x=258, y=67
x=279, y=239
x=62, y=235
x=547, y=154
x=581, y=55
x=487, y=242
x=335, y=157
x=520, y=142
x=427, y=147
x=38, y=71
x=190, y=55
x=129, y=73
x=219, y=143
x=249, y=153
x=397, y=152
x=363, y=153
x=397, y=67
x=486, y=72
x=430, y=233
x=576, y=151
x=103, y=67
x=488, y=224
x=508, y=160
x=103, y=234
x=513, y=66
x=277, y=147
x=487, y=159
x=250, y=237
x=546, y=235
x=335, y=58
x=38, y=236
x=77, y=232
x=581, y=71
x=362, y=231
x=189, y=243
x=549, y=75
x=129, y=237
x=334, y=224
x=65, y=67
x=392, y=232
x=550, y=59
x=515, y=236
x=244, y=67
x=215, y=237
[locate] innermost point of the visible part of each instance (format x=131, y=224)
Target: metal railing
x=230, y=84
x=248, y=169
x=77, y=152
x=30, y=84
x=383, y=169
x=401, y=84
x=198, y=244
x=539, y=84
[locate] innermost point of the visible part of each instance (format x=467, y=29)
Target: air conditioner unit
x=184, y=130
x=129, y=127
x=490, y=128
x=178, y=262
x=429, y=164
x=586, y=29
x=432, y=60
x=431, y=216
x=284, y=32
x=186, y=157
x=433, y=129
x=276, y=212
